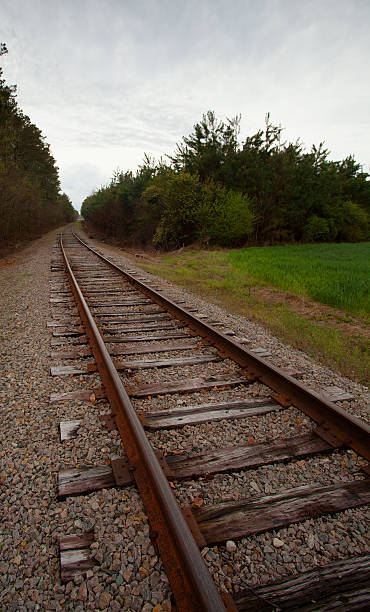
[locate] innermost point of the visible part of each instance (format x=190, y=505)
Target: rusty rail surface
x=334, y=423
x=191, y=583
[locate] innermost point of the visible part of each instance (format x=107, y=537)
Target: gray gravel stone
x=131, y=575
x=31, y=455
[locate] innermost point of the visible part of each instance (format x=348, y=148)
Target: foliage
x=30, y=197
x=191, y=210
x=220, y=191
x=116, y=208
x=178, y=197
x=225, y=217
x=205, y=151
x=316, y=229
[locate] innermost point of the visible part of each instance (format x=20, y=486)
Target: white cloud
x=108, y=81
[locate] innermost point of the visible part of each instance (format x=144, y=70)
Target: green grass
x=329, y=274
x=333, y=274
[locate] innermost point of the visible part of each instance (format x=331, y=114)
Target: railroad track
x=146, y=348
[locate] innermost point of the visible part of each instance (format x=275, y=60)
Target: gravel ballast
x=128, y=574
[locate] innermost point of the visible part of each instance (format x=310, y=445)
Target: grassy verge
x=338, y=339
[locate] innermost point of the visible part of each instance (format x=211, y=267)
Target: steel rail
x=191, y=583
x=332, y=420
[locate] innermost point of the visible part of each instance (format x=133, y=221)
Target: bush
x=317, y=229
x=224, y=217
x=191, y=210
x=178, y=197
x=352, y=222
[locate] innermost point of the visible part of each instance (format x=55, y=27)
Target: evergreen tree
x=30, y=198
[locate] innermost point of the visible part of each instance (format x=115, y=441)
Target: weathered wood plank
x=123, y=350
x=104, y=291
x=138, y=319
x=69, y=332
x=239, y=519
x=88, y=395
x=261, y=352
x=68, y=371
x=102, y=286
x=78, y=481
x=60, y=301
x=226, y=331
x=137, y=311
x=73, y=541
x=121, y=303
x=204, y=413
x=336, y=394
x=70, y=396
x=68, y=429
x=141, y=328
x=245, y=456
x=63, y=323
x=261, y=402
x=56, y=286
x=111, y=290
x=292, y=372
x=79, y=263
x=146, y=338
x=78, y=354
x=152, y=348
x=164, y=363
x=184, y=386
x=99, y=274
x=120, y=350
x=68, y=341
x=339, y=397
x=66, y=308
x=342, y=585
x=100, y=279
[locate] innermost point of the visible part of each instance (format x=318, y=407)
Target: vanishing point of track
x=180, y=533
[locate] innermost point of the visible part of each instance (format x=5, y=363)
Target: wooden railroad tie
x=342, y=585
x=75, y=556
x=85, y=479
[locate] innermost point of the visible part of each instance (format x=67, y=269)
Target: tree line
x=217, y=190
x=31, y=201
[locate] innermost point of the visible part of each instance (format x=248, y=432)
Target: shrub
x=352, y=222
x=178, y=197
x=191, y=210
x=317, y=229
x=224, y=217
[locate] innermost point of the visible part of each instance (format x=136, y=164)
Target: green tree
x=222, y=191
x=205, y=150
x=30, y=199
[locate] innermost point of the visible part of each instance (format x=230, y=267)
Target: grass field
x=333, y=274
x=264, y=283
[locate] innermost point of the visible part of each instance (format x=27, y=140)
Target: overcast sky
x=107, y=80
